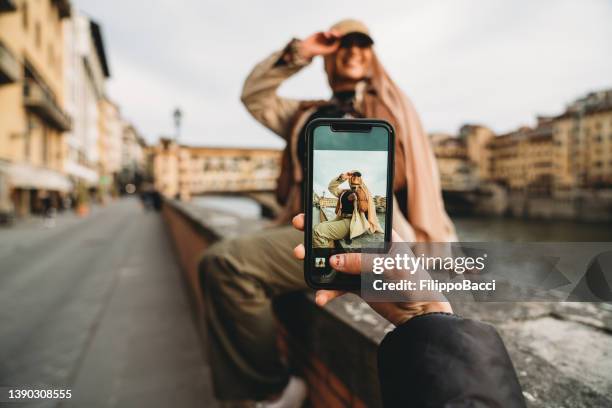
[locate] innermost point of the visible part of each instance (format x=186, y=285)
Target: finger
x=299, y=252
x=322, y=297
x=349, y=263
x=298, y=222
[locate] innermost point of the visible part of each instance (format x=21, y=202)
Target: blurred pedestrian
x=146, y=197
x=48, y=210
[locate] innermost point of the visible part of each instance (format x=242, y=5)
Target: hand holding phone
x=396, y=312
x=348, y=195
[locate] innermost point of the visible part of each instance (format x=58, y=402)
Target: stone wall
x=561, y=351
x=334, y=348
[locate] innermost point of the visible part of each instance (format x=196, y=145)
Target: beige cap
x=349, y=26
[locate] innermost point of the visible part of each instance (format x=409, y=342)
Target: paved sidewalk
x=97, y=305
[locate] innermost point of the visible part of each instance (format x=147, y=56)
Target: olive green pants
x=326, y=232
x=239, y=277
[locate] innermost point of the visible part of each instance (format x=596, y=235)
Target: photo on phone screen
x=348, y=194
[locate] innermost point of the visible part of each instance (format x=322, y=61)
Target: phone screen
x=348, y=195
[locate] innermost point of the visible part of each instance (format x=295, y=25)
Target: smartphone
x=348, y=195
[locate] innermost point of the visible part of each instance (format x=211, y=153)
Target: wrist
x=438, y=307
x=303, y=51
x=292, y=55
x=414, y=309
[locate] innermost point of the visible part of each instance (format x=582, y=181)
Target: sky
x=328, y=164
x=496, y=63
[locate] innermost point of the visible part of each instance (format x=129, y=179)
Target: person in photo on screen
x=355, y=212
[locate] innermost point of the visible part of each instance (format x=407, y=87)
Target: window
x=28, y=136
x=37, y=34
x=50, y=55
x=45, y=146
x=25, y=16
x=26, y=146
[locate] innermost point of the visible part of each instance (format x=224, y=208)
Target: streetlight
x=177, y=115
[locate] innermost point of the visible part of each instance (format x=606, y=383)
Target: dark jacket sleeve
x=442, y=360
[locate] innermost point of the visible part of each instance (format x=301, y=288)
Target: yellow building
x=330, y=202
x=166, y=167
x=539, y=159
x=32, y=114
x=597, y=127
x=561, y=156
x=583, y=143
x=457, y=171
x=183, y=171
x=522, y=160
x=507, y=159
x=566, y=159
x=476, y=139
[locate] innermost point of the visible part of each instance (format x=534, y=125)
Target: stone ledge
x=334, y=348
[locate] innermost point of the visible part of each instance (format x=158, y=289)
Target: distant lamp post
x=177, y=115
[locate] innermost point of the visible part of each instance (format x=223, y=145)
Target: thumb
x=349, y=263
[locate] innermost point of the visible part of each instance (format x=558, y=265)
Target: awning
x=25, y=176
x=82, y=173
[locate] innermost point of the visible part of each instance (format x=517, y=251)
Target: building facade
x=456, y=171
x=110, y=144
x=476, y=138
x=559, y=157
x=463, y=160
x=33, y=118
x=86, y=71
x=583, y=143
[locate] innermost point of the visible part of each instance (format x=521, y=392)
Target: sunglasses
x=358, y=40
x=356, y=174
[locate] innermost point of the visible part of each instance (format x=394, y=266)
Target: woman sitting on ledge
x=241, y=276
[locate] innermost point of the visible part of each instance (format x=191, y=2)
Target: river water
x=474, y=229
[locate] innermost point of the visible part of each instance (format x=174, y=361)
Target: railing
x=42, y=102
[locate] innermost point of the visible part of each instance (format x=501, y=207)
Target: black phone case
x=347, y=125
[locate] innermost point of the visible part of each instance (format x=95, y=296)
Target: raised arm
x=334, y=184
x=259, y=94
x=259, y=90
